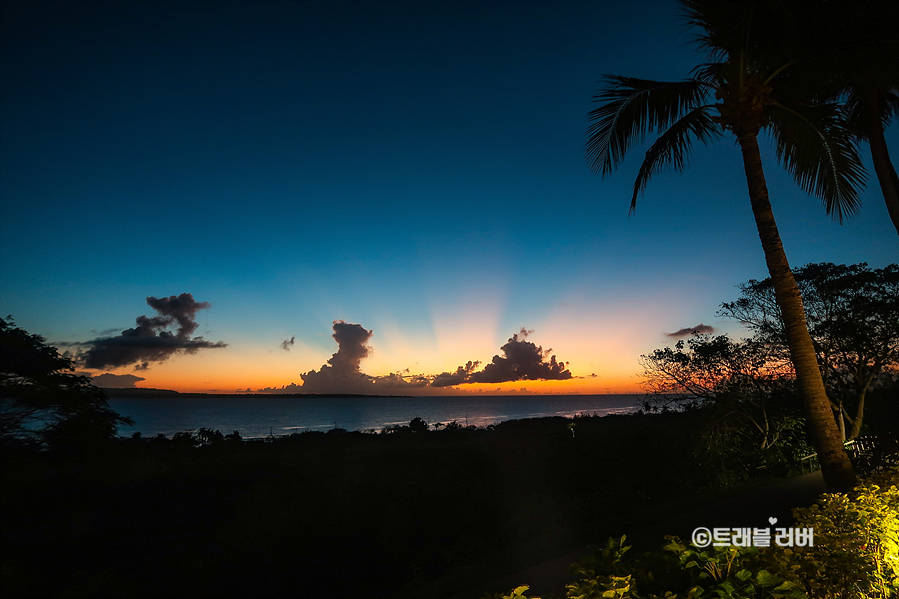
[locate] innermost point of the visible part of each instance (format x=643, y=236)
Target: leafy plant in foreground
x=854, y=555
x=856, y=548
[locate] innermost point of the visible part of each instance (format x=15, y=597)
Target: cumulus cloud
x=342, y=373
x=700, y=328
x=285, y=345
x=460, y=376
x=108, y=380
x=521, y=360
x=150, y=340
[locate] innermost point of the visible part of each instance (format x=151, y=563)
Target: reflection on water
x=260, y=416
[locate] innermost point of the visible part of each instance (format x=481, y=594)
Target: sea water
x=258, y=416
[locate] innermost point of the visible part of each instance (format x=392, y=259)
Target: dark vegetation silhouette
x=345, y=514
x=749, y=385
x=43, y=403
x=856, y=63
x=747, y=88
x=853, y=319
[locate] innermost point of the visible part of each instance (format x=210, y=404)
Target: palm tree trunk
x=886, y=174
x=835, y=465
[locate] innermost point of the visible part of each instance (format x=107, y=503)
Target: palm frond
x=632, y=108
x=856, y=106
x=673, y=147
x=767, y=30
x=712, y=73
x=891, y=102
x=818, y=150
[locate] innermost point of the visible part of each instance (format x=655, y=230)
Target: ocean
x=260, y=416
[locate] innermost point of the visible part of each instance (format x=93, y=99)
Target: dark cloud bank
x=520, y=360
x=700, y=328
x=150, y=340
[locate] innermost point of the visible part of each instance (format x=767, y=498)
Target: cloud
x=351, y=347
x=460, y=376
x=285, y=345
x=150, y=341
x=291, y=388
x=108, y=380
x=342, y=373
x=522, y=360
x=700, y=328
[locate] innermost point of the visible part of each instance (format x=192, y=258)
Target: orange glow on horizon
x=602, y=355
x=236, y=382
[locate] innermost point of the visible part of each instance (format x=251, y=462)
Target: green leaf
x=786, y=586
x=766, y=579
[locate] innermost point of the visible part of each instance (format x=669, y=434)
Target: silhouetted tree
x=746, y=88
x=208, y=436
x=42, y=401
x=853, y=320
x=418, y=425
x=738, y=381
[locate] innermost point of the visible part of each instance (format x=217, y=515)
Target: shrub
x=680, y=571
x=854, y=555
x=856, y=543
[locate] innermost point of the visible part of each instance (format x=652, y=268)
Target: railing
x=853, y=448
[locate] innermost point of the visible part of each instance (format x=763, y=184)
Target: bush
x=679, y=571
x=854, y=555
x=856, y=550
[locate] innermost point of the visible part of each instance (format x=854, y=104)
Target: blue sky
x=415, y=168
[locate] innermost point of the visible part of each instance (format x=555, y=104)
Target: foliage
x=747, y=388
x=707, y=367
x=752, y=414
x=679, y=571
x=853, y=319
x=207, y=436
x=856, y=543
x=751, y=77
x=516, y=593
x=854, y=555
x=43, y=402
x=856, y=66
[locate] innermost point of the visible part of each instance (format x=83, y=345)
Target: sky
x=367, y=196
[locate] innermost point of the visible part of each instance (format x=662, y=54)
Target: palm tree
x=748, y=75
x=855, y=59
x=871, y=108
